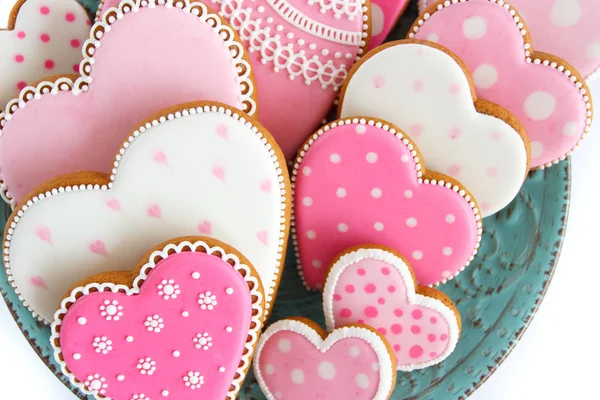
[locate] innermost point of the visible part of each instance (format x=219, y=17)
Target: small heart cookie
x=544, y=92
x=77, y=125
x=362, y=181
x=43, y=38
x=182, y=325
x=295, y=360
x=175, y=175
x=375, y=286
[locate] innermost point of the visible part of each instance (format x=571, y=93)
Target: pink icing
x=292, y=367
x=61, y=133
x=172, y=328
x=485, y=36
x=358, y=184
x=384, y=15
x=413, y=330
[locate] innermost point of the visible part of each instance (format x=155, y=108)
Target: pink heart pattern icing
x=295, y=362
x=181, y=335
x=78, y=126
x=373, y=286
x=359, y=181
x=548, y=96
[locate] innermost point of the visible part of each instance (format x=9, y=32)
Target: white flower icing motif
x=168, y=289
x=111, y=310
x=339, y=7
x=102, y=345
x=203, y=341
x=193, y=380
x=146, y=366
x=154, y=323
x=207, y=300
x=96, y=383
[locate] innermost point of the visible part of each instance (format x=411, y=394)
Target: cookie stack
x=152, y=201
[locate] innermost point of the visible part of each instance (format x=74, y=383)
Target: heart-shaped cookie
x=567, y=28
x=177, y=174
x=546, y=94
x=78, y=126
x=182, y=325
x=362, y=181
x=427, y=92
x=375, y=286
x=384, y=15
x=296, y=361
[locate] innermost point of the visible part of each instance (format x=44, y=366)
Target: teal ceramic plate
x=497, y=295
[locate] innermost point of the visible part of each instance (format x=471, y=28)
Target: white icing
x=396, y=262
x=386, y=374
x=426, y=87
x=187, y=191
x=351, y=9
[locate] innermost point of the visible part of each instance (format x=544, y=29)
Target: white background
x=557, y=357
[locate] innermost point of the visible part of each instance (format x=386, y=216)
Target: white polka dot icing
x=104, y=344
x=541, y=90
x=441, y=118
x=316, y=367
x=170, y=151
x=376, y=286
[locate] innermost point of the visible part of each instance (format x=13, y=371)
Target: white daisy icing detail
x=146, y=366
x=102, y=344
x=96, y=383
x=111, y=310
x=154, y=323
x=203, y=341
x=207, y=300
x=193, y=380
x=168, y=289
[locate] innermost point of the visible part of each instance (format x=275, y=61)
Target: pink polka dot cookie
x=384, y=15
x=182, y=325
x=567, y=28
x=360, y=181
x=427, y=92
x=77, y=125
x=375, y=286
x=296, y=360
x=44, y=37
x=545, y=93
x=198, y=168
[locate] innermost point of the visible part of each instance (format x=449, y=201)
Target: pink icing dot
x=21, y=85
x=495, y=136
x=396, y=348
x=49, y=64
x=371, y=312
x=19, y=58
x=415, y=130
x=454, y=169
x=361, y=272
x=417, y=314
x=45, y=10
x=349, y=288
x=415, y=351
x=45, y=38
x=398, y=312
x=361, y=321
x=385, y=270
x=418, y=85
x=75, y=43
x=433, y=320
x=70, y=17
x=454, y=133
x=345, y=313
x=383, y=331
x=492, y=172
x=76, y=68
x=381, y=300
x=370, y=288
x=396, y=329
x=443, y=337
x=431, y=337
x=21, y=35
x=455, y=89
x=391, y=289
x=415, y=329
x=337, y=297
x=432, y=354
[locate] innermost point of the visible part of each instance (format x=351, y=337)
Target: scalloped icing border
x=247, y=273
x=82, y=84
x=422, y=178
x=375, y=341
x=414, y=298
x=530, y=57
x=285, y=213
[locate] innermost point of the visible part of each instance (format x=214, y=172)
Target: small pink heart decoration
x=364, y=182
x=98, y=247
x=205, y=227
x=185, y=329
x=295, y=361
x=38, y=281
x=374, y=286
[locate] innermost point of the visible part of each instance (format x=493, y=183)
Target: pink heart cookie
x=362, y=181
x=546, y=94
x=78, y=126
x=375, y=286
x=384, y=15
x=183, y=324
x=567, y=28
x=295, y=361
x=43, y=38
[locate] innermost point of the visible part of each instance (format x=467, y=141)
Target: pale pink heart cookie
x=384, y=15
x=375, y=286
x=546, y=94
x=182, y=325
x=295, y=360
x=44, y=37
x=567, y=28
x=77, y=126
x=83, y=224
x=363, y=181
